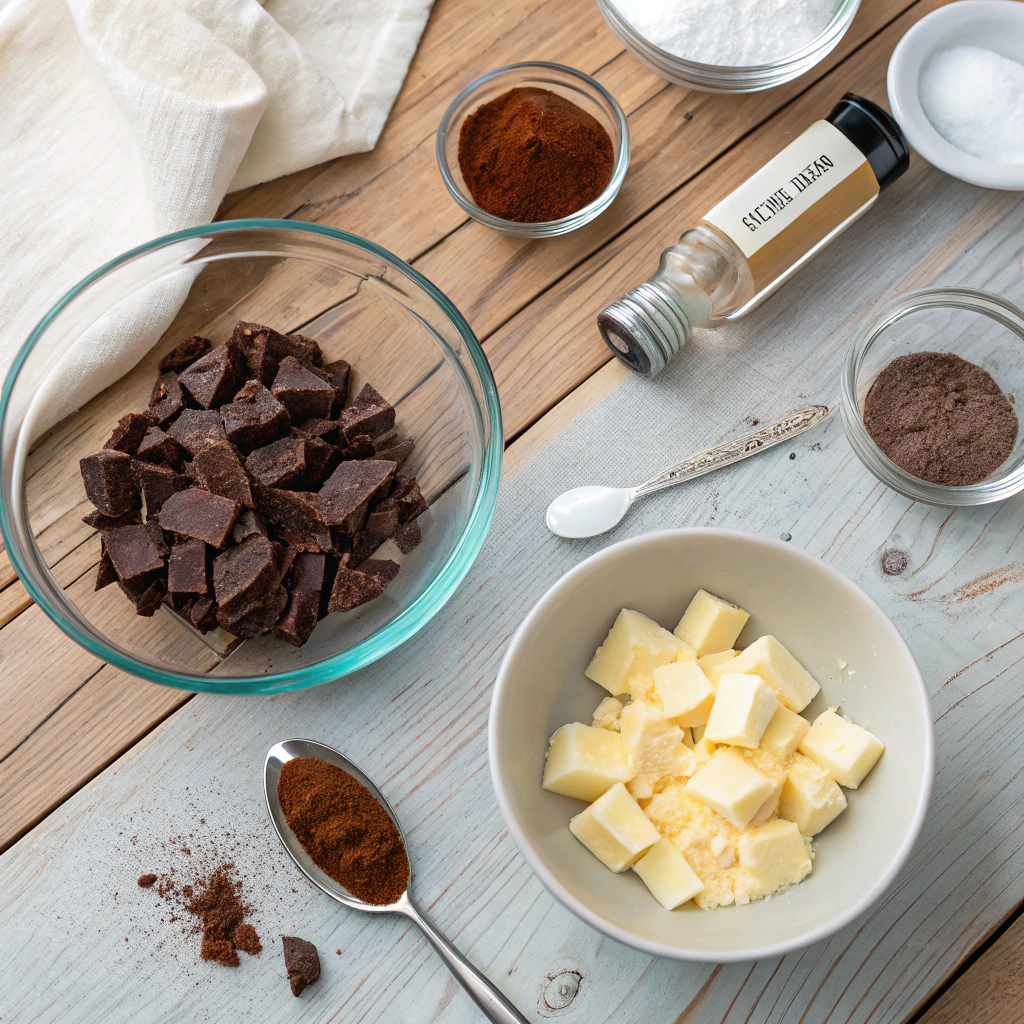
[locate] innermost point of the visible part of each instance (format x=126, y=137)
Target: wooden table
x=68, y=722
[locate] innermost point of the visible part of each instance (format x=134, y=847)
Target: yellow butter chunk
x=606, y=715
x=784, y=733
x=743, y=707
x=584, y=762
x=665, y=872
x=614, y=829
x=709, y=624
x=641, y=787
x=634, y=646
x=772, y=856
x=684, y=691
x=652, y=743
x=732, y=787
x=702, y=750
x=713, y=661
x=846, y=751
x=810, y=798
x=793, y=685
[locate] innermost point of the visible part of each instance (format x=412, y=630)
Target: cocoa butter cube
x=280, y=464
x=218, y=468
x=129, y=432
x=259, y=619
x=383, y=570
x=105, y=573
x=295, y=516
x=203, y=614
x=370, y=413
x=214, y=378
x=157, y=484
x=408, y=537
x=301, y=961
x=151, y=598
x=167, y=399
x=338, y=375
x=411, y=502
x=200, y=514
x=250, y=522
x=255, y=418
x=302, y=392
x=353, y=588
x=321, y=461
x=196, y=429
x=185, y=354
x=245, y=575
x=109, y=483
x=346, y=495
x=186, y=568
x=159, y=447
x=133, y=551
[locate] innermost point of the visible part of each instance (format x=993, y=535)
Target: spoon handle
x=733, y=451
x=494, y=1005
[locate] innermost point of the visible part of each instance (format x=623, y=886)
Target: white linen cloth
x=121, y=120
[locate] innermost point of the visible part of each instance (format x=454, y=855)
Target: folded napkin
x=121, y=120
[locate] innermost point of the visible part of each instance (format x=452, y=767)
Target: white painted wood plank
x=417, y=721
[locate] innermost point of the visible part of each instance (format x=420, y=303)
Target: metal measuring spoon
x=588, y=511
x=494, y=1005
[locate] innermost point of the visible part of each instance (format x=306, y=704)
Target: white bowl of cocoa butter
x=955, y=82
x=929, y=396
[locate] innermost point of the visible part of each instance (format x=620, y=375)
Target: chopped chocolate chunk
x=200, y=514
x=105, y=573
x=244, y=575
x=181, y=603
x=99, y=521
x=196, y=429
x=157, y=483
x=260, y=618
x=301, y=961
x=256, y=343
x=158, y=447
x=203, y=614
x=345, y=498
x=255, y=418
x=321, y=461
x=338, y=374
x=280, y=464
x=352, y=588
x=408, y=537
x=133, y=551
x=218, y=468
x=185, y=354
x=129, y=432
x=383, y=570
x=307, y=583
x=411, y=502
x=167, y=400
x=109, y=483
x=214, y=378
x=359, y=447
x=395, y=451
x=380, y=524
x=370, y=413
x=308, y=571
x=306, y=350
x=250, y=522
x=152, y=597
x=186, y=568
x=158, y=537
x=325, y=430
x=300, y=391
x=147, y=881
x=295, y=516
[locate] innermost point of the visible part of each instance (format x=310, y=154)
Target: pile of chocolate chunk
x=251, y=494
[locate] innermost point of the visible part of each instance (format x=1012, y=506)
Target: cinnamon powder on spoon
x=343, y=828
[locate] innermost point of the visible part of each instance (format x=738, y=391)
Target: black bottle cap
x=874, y=132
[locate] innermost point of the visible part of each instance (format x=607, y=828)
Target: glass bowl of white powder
x=729, y=45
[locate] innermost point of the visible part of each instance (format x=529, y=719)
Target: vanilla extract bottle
x=757, y=237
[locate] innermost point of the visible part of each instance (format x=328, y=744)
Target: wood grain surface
x=533, y=304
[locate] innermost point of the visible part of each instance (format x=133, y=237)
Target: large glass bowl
x=360, y=303
x=722, y=78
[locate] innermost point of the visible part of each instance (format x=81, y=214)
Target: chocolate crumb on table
x=252, y=494
x=301, y=961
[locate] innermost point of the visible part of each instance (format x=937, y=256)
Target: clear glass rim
x=545, y=228
x=724, y=77
x=398, y=630
x=973, y=300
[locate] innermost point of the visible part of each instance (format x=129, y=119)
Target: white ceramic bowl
x=816, y=612
x=993, y=24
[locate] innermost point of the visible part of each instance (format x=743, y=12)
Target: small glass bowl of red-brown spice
x=604, y=164
x=957, y=440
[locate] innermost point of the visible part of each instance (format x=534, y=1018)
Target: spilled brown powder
x=341, y=826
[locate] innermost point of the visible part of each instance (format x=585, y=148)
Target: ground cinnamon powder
x=342, y=827
x=531, y=155
x=940, y=418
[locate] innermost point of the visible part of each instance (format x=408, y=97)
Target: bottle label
x=789, y=186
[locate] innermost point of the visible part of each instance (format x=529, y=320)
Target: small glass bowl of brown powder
x=929, y=396
x=534, y=150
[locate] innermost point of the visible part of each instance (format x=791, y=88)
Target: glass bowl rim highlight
x=411, y=619
x=544, y=228
x=972, y=300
